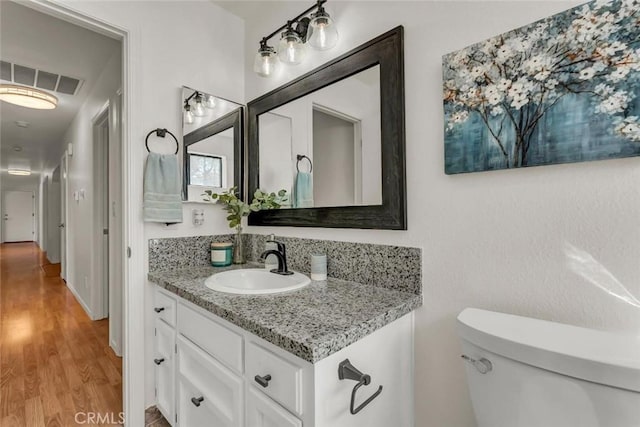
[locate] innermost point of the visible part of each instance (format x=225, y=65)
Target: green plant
x=237, y=209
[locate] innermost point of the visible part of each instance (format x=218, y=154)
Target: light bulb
x=198, y=109
x=323, y=31
x=291, y=50
x=188, y=115
x=266, y=61
x=210, y=101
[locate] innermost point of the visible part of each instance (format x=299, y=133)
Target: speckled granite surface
x=393, y=267
x=311, y=323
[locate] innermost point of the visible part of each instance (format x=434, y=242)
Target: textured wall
x=541, y=242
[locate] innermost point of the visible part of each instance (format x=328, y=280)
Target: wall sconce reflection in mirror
x=318, y=30
x=195, y=104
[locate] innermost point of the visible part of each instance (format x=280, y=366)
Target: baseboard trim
x=84, y=306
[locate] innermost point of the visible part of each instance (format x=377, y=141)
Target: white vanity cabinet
x=224, y=376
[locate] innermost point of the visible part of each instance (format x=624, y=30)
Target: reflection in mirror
x=212, y=135
x=326, y=146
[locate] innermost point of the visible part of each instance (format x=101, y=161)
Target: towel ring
x=300, y=158
x=161, y=133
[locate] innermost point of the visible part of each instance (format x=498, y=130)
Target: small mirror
x=325, y=147
x=212, y=135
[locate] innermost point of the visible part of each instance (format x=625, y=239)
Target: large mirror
x=334, y=139
x=213, y=139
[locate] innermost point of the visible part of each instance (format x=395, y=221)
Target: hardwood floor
x=56, y=366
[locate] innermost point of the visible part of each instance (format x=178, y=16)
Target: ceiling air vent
x=38, y=78
x=24, y=75
x=47, y=81
x=68, y=85
x=5, y=71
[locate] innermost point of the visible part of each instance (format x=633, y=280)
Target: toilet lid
x=598, y=356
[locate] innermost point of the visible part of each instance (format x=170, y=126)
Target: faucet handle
x=280, y=245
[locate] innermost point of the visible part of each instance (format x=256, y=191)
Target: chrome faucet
x=281, y=254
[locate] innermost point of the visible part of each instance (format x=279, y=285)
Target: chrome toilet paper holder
x=346, y=371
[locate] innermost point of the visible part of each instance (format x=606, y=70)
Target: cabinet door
x=209, y=393
x=264, y=412
x=164, y=361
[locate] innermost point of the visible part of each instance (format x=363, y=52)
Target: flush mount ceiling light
x=29, y=97
x=19, y=172
x=319, y=31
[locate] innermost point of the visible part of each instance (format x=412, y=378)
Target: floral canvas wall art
x=561, y=90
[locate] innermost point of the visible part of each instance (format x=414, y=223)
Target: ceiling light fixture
x=319, y=30
x=19, y=172
x=27, y=97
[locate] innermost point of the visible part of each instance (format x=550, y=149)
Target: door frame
x=132, y=156
x=100, y=266
x=64, y=207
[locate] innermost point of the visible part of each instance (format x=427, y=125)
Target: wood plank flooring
x=55, y=363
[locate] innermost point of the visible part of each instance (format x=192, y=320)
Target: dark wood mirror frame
x=235, y=120
x=388, y=52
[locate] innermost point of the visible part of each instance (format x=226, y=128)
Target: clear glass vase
x=238, y=248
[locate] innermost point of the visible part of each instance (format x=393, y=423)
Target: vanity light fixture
x=188, y=115
x=210, y=102
x=196, y=109
x=29, y=97
x=319, y=30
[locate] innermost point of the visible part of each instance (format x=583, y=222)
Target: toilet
x=525, y=372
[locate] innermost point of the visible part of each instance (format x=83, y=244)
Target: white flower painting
x=563, y=89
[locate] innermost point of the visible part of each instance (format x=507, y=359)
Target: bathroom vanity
x=274, y=360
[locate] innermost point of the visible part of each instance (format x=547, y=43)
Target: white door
x=19, y=216
x=63, y=216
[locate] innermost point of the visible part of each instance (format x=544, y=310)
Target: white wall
x=174, y=43
x=81, y=218
x=495, y=240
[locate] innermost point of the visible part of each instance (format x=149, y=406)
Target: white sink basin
x=255, y=281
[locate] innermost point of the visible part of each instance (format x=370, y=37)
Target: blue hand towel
x=162, y=194
x=303, y=190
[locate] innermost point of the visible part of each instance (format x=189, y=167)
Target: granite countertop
x=312, y=323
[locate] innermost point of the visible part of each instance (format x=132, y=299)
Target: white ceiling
x=36, y=40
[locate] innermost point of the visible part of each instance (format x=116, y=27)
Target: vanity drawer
x=217, y=340
x=164, y=307
x=209, y=393
x=285, y=382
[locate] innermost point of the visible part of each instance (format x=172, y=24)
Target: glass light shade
x=266, y=61
x=188, y=115
x=29, y=97
x=323, y=32
x=197, y=108
x=210, y=102
x=291, y=50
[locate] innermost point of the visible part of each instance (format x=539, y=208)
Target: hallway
x=56, y=366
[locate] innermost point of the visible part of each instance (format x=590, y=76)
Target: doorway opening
x=337, y=158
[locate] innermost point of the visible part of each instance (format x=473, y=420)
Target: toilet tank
x=546, y=374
